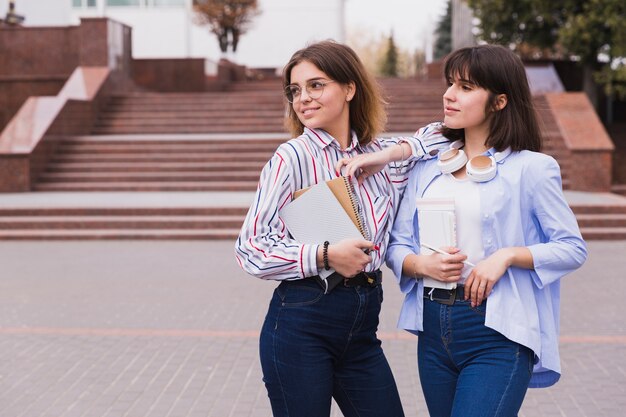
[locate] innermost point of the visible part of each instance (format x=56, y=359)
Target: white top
x=466, y=196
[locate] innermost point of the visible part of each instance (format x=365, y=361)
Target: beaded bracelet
x=325, y=256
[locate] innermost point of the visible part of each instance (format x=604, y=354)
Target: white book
x=317, y=215
x=437, y=228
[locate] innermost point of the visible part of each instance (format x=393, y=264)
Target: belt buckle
x=450, y=300
x=363, y=277
x=371, y=280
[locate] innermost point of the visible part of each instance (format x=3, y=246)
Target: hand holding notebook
x=437, y=228
x=327, y=211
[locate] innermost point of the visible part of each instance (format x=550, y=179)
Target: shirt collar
x=322, y=139
x=499, y=156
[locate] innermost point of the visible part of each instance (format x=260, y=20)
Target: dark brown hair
x=340, y=63
x=499, y=71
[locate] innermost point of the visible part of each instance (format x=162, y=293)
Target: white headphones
x=481, y=168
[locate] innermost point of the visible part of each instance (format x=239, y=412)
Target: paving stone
x=96, y=329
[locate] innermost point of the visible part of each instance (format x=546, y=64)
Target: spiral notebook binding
x=356, y=208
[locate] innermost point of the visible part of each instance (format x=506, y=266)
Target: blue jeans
x=467, y=369
x=315, y=346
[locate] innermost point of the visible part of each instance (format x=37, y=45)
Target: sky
x=412, y=21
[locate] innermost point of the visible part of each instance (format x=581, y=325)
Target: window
x=83, y=3
x=123, y=2
x=169, y=2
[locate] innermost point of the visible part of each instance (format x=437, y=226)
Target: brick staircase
x=169, y=142
x=207, y=223
x=179, y=113
x=601, y=222
x=209, y=142
x=157, y=163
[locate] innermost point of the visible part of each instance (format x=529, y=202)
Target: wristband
x=325, y=256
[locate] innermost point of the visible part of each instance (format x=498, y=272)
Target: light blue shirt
x=522, y=206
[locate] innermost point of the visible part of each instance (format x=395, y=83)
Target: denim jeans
x=315, y=346
x=467, y=369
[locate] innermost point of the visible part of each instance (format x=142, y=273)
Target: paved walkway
x=150, y=329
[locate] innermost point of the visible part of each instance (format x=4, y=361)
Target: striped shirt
x=264, y=247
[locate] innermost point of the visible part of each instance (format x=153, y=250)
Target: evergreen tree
x=389, y=65
x=443, y=44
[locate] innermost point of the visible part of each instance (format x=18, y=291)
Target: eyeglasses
x=314, y=90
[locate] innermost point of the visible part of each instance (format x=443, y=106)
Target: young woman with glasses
x=484, y=343
x=316, y=346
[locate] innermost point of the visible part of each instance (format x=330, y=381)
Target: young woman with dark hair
x=483, y=343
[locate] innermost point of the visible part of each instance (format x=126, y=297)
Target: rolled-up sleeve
x=425, y=144
x=564, y=249
x=427, y=141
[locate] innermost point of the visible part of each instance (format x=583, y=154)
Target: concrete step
x=598, y=209
x=102, y=222
x=184, y=129
x=603, y=233
x=260, y=123
x=160, y=157
x=120, y=223
x=150, y=176
x=123, y=211
x=121, y=234
x=233, y=165
x=152, y=112
x=75, y=148
x=167, y=139
x=148, y=186
x=211, y=100
x=41, y=222
x=601, y=220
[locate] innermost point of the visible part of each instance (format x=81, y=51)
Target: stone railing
x=590, y=146
x=28, y=141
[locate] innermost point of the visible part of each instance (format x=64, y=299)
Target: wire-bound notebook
x=437, y=227
x=326, y=211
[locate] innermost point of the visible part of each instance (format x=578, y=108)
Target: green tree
x=597, y=36
x=389, y=64
x=589, y=31
x=372, y=49
x=227, y=19
x=531, y=26
x=443, y=44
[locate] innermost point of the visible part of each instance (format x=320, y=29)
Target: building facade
x=462, y=25
x=166, y=28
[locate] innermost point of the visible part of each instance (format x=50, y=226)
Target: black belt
x=443, y=296
x=365, y=279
